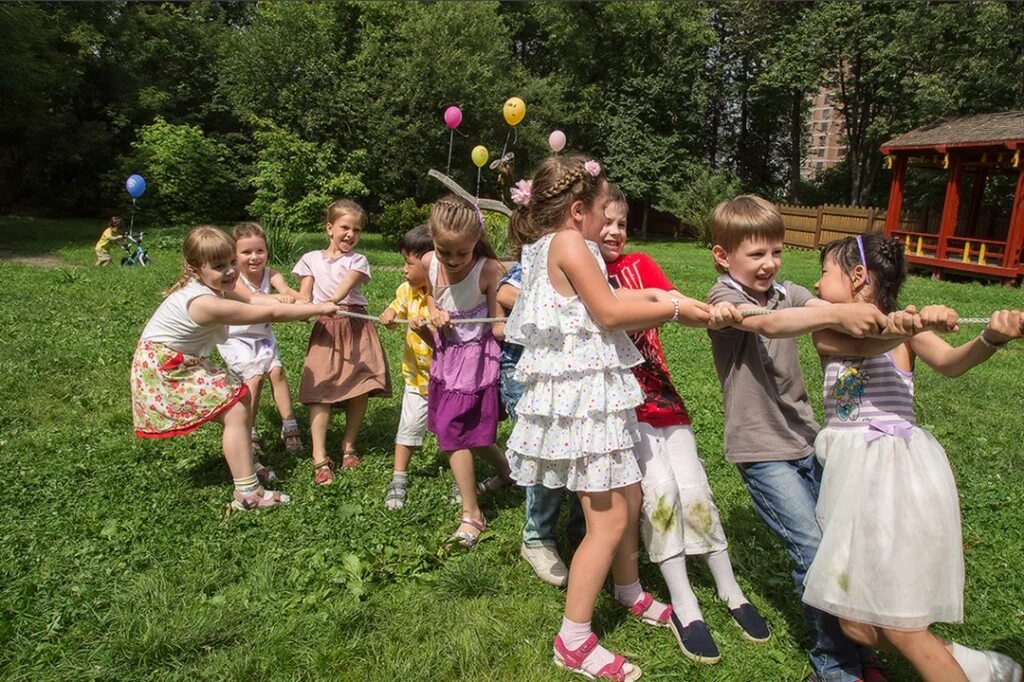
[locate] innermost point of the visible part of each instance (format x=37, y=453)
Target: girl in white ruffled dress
x=891, y=561
x=576, y=425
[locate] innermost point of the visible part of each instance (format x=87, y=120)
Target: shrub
x=496, y=228
x=187, y=173
x=693, y=204
x=296, y=179
x=395, y=219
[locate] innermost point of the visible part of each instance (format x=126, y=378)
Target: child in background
x=462, y=276
x=175, y=389
x=111, y=234
x=891, y=557
x=575, y=422
x=769, y=422
x=410, y=304
x=345, y=363
x=251, y=350
x=679, y=515
x=543, y=505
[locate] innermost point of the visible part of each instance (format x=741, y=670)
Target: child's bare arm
x=210, y=310
x=508, y=294
x=306, y=289
x=856, y=319
x=953, y=361
x=281, y=286
x=492, y=272
x=350, y=281
x=242, y=294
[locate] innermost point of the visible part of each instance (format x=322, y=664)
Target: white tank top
x=172, y=326
x=253, y=331
x=462, y=296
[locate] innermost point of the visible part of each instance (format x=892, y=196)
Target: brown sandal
x=323, y=473
x=349, y=459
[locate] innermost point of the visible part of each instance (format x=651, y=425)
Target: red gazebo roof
x=979, y=130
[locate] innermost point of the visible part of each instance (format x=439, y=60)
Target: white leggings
x=679, y=515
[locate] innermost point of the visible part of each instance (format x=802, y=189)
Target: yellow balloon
x=515, y=111
x=479, y=155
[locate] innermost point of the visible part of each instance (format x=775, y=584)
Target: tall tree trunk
x=796, y=138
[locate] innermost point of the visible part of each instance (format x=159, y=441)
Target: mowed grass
x=118, y=563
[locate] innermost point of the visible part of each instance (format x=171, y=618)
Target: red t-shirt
x=662, y=405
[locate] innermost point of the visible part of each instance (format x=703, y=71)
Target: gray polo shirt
x=767, y=414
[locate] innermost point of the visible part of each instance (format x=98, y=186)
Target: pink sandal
x=573, y=662
x=468, y=539
x=644, y=604
x=264, y=473
x=349, y=459
x=258, y=499
x=292, y=438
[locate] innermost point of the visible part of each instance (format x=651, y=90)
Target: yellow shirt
x=411, y=304
x=104, y=243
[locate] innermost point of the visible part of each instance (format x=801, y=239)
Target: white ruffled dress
x=576, y=421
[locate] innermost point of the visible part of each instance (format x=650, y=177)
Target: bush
x=394, y=220
x=496, y=228
x=693, y=204
x=296, y=180
x=187, y=173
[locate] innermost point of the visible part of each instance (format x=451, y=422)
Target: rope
x=746, y=312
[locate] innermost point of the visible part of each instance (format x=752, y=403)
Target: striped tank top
x=868, y=393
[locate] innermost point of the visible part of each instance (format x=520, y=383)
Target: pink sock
x=573, y=636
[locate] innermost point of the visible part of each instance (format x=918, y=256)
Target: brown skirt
x=344, y=360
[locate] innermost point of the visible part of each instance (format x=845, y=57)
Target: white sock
x=684, y=601
x=289, y=424
x=254, y=435
x=629, y=594
x=573, y=636
x=974, y=663
x=725, y=581
x=400, y=476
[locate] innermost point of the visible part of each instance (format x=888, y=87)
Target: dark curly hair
x=884, y=261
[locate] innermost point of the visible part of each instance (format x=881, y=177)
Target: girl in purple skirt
x=462, y=398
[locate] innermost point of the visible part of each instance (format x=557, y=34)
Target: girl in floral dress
x=175, y=389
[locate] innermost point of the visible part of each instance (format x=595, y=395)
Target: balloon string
x=451, y=139
x=507, y=135
x=478, y=183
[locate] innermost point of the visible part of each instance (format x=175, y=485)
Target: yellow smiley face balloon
x=514, y=111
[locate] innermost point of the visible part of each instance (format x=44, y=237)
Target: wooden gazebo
x=966, y=147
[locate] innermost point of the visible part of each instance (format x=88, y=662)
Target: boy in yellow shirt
x=411, y=304
x=111, y=234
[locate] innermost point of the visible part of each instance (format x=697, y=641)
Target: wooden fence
x=809, y=227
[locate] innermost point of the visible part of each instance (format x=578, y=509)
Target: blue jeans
x=785, y=494
x=543, y=505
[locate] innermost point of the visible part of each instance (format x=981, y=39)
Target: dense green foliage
x=119, y=564
x=301, y=101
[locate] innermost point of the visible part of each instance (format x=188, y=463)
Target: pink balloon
x=452, y=117
x=556, y=140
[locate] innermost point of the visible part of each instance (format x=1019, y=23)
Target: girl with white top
x=175, y=389
x=891, y=557
x=576, y=423
x=251, y=350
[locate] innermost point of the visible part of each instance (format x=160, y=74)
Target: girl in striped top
x=891, y=561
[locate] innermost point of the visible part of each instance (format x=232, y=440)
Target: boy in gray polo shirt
x=769, y=422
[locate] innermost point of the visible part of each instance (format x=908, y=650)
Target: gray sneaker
x=1004, y=668
x=546, y=563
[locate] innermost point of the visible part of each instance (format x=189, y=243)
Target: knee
x=902, y=640
x=276, y=373
x=861, y=633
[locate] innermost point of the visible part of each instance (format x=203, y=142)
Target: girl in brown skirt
x=345, y=362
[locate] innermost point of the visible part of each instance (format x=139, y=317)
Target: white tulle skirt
x=891, y=552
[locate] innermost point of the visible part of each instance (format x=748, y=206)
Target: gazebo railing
x=958, y=249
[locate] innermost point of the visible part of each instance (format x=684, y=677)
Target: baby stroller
x=136, y=251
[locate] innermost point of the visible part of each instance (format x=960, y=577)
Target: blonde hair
x=453, y=214
x=203, y=245
x=248, y=229
x=745, y=217
x=557, y=183
x=346, y=206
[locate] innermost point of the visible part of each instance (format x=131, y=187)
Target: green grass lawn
x=117, y=561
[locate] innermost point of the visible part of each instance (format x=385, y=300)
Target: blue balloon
x=136, y=185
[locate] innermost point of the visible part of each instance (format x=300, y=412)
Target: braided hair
x=884, y=261
x=455, y=215
x=203, y=245
x=557, y=183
